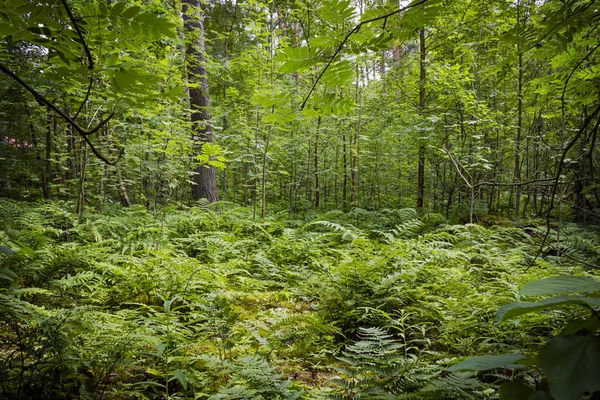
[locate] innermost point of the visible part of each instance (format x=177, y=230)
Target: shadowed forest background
x=303, y=199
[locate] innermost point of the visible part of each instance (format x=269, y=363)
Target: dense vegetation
x=205, y=304
x=299, y=199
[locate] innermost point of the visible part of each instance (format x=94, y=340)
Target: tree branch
x=353, y=31
x=562, y=97
x=561, y=161
x=44, y=101
x=86, y=49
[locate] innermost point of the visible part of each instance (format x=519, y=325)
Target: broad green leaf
x=117, y=9
x=6, y=250
x=7, y=274
x=24, y=248
x=541, y=395
x=322, y=41
x=590, y=324
x=483, y=363
x=181, y=378
x=561, y=284
x=13, y=233
x=515, y=391
x=513, y=310
x=571, y=365
x=131, y=12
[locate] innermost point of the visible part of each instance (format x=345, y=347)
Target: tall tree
x=422, y=81
x=193, y=22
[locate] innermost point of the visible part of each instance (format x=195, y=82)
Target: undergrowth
x=208, y=303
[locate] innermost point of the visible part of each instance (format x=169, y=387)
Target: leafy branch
x=354, y=30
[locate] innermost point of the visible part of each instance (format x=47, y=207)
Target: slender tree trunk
x=81, y=193
x=345, y=167
x=422, y=80
x=316, y=165
x=123, y=197
x=71, y=171
x=48, y=161
x=517, y=178
x=193, y=22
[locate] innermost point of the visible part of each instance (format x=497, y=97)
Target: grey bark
x=193, y=21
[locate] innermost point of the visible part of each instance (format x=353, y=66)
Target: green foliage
x=569, y=361
x=207, y=304
x=376, y=367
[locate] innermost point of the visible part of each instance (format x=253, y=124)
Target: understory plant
x=207, y=302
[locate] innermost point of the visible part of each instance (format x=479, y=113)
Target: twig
x=85, y=99
x=562, y=97
x=560, y=23
x=353, y=31
x=86, y=49
x=557, y=178
x=44, y=101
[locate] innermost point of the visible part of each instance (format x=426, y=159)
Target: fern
x=375, y=367
x=457, y=385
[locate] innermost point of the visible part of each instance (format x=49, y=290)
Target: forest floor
x=207, y=303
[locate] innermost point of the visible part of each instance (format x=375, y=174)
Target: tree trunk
x=121, y=189
x=345, y=167
x=517, y=178
x=422, y=80
x=193, y=22
x=48, y=163
x=316, y=164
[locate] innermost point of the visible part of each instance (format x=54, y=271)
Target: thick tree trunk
x=193, y=22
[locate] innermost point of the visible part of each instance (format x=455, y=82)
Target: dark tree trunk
x=193, y=22
x=48, y=163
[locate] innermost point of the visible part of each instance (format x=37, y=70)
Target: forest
x=299, y=199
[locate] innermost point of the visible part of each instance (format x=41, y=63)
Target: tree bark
x=316, y=164
x=517, y=178
x=48, y=161
x=422, y=80
x=193, y=21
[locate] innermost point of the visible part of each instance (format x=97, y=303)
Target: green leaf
x=541, y=395
x=571, y=365
x=13, y=233
x=513, y=310
x=180, y=376
x=483, y=363
x=322, y=41
x=591, y=324
x=131, y=12
x=24, y=248
x=117, y=9
x=6, y=250
x=560, y=284
x=515, y=391
x=7, y=274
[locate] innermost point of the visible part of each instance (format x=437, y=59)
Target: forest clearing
x=299, y=199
